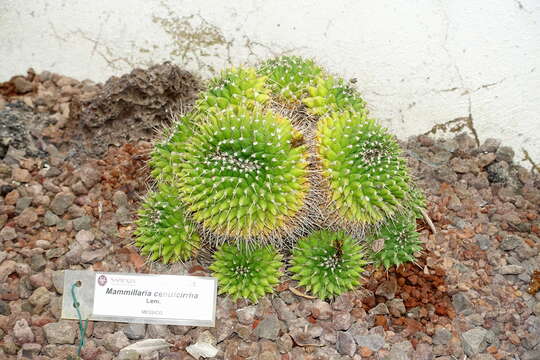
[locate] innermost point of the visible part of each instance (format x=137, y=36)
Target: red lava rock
x=417, y=289
x=380, y=320
x=534, y=285
x=365, y=351
x=282, y=286
x=369, y=302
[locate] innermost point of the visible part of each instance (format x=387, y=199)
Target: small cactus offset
x=280, y=156
x=163, y=231
x=246, y=271
x=327, y=263
x=400, y=242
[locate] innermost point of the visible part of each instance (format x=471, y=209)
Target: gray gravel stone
x=396, y=307
x=50, y=218
x=401, y=351
x=531, y=355
x=462, y=305
x=73, y=256
x=536, y=309
x=484, y=357
x=40, y=298
x=341, y=320
x=486, y=159
x=505, y=153
x=7, y=267
x=82, y=223
x=490, y=145
x=283, y=311
x=442, y=336
x=128, y=355
x=510, y=243
x=387, y=288
x=55, y=253
x=246, y=315
x=89, y=176
x=4, y=308
x=380, y=309
x=92, y=256
x=345, y=344
x=79, y=188
x=474, y=341
x=483, y=241
x=8, y=233
x=22, y=332
x=62, y=332
x=116, y=341
x=22, y=86
x=53, y=172
x=372, y=341
x=511, y=270
x=156, y=331
x=58, y=281
x=29, y=351
x=61, y=202
x=123, y=216
x=423, y=352
x=22, y=204
x=285, y=343
x=38, y=263
x=134, y=331
x=268, y=328
x=343, y=302
x=120, y=199
x=321, y=310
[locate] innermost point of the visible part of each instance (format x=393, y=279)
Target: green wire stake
x=82, y=329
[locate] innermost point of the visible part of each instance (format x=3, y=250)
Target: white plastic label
x=143, y=298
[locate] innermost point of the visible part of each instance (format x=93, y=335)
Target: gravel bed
x=67, y=203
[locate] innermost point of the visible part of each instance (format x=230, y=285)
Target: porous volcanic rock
x=130, y=107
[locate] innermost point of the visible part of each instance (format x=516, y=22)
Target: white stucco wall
x=418, y=63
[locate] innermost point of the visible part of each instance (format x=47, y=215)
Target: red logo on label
x=102, y=280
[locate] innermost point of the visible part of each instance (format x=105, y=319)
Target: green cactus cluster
x=270, y=159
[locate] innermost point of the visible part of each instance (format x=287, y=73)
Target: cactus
x=246, y=271
x=400, y=242
x=163, y=231
x=234, y=88
x=241, y=176
x=290, y=76
x=268, y=156
x=331, y=95
x=367, y=178
x=327, y=263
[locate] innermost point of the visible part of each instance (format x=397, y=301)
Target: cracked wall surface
x=436, y=67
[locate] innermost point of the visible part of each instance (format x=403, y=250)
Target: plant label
x=140, y=298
